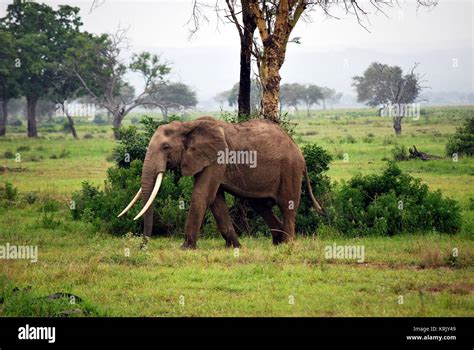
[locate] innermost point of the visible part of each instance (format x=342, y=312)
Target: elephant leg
x=289, y=218
x=224, y=222
x=206, y=184
x=288, y=203
x=264, y=209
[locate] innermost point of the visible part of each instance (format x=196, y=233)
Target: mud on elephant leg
x=224, y=222
x=263, y=207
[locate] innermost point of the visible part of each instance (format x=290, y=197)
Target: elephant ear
x=201, y=146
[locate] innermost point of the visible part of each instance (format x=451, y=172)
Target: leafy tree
x=173, y=96
x=232, y=96
x=41, y=34
x=382, y=84
x=291, y=95
x=312, y=95
x=329, y=95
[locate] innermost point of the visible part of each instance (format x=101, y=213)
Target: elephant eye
x=166, y=146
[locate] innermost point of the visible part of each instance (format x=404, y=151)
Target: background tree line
x=291, y=95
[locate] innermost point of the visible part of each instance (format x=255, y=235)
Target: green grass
x=262, y=279
x=258, y=282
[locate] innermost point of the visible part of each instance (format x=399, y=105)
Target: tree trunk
x=324, y=104
x=31, y=101
x=4, y=118
x=70, y=120
x=117, y=123
x=397, y=125
x=270, y=79
x=71, y=126
x=246, y=42
x=307, y=111
x=164, y=111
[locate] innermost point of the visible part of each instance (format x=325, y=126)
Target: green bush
x=462, y=142
x=391, y=203
x=399, y=153
x=8, y=154
x=23, y=148
x=101, y=207
x=30, y=197
x=15, y=122
x=8, y=192
x=317, y=162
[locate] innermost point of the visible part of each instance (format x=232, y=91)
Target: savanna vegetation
x=85, y=251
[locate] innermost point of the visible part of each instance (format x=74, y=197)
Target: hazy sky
x=209, y=60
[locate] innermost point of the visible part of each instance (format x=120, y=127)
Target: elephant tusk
x=134, y=200
x=152, y=197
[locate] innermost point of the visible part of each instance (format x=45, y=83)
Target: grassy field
x=406, y=275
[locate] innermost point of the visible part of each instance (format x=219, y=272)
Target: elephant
x=256, y=160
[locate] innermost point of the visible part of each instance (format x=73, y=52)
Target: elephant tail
x=319, y=209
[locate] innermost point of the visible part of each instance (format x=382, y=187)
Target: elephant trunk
x=152, y=175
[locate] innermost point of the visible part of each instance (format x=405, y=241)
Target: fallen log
x=414, y=153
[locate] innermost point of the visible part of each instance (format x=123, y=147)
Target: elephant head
x=190, y=146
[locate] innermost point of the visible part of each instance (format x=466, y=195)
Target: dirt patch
x=5, y=169
x=460, y=288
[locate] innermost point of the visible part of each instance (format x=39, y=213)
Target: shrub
x=34, y=158
x=368, y=139
x=100, y=207
x=8, y=154
x=15, y=122
x=350, y=139
x=23, y=148
x=88, y=136
x=64, y=154
x=30, y=197
x=317, y=162
x=400, y=153
x=390, y=203
x=8, y=192
x=462, y=142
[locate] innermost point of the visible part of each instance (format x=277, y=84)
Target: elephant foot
x=232, y=244
x=188, y=246
x=277, y=241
